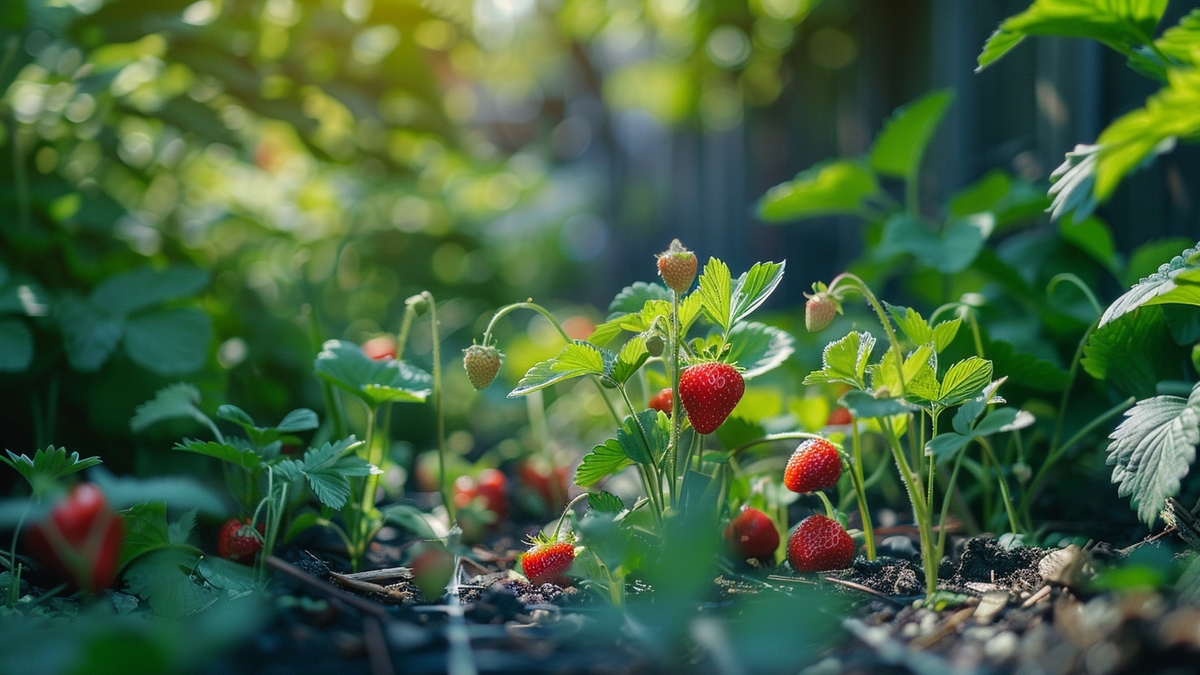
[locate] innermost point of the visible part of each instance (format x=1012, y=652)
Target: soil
x=1024, y=610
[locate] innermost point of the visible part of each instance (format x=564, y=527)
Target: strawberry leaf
x=629, y=359
x=716, y=293
x=604, y=460
x=301, y=419
x=645, y=437
x=835, y=187
x=632, y=298
x=844, y=361
x=244, y=457
x=759, y=348
x=898, y=149
x=46, y=466
x=754, y=287
x=176, y=401
x=1153, y=449
x=328, y=470
x=862, y=404
x=964, y=380
x=605, y=502
x=344, y=365
x=575, y=360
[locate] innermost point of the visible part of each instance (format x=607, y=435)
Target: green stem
x=654, y=478
x=487, y=337
x=333, y=404
x=1066, y=395
x=941, y=542
x=912, y=195
x=830, y=512
x=410, y=314
x=861, y=286
x=929, y=558
x=439, y=412
x=860, y=489
x=676, y=417
x=1008, y=506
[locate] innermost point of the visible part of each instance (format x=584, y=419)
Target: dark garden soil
x=1025, y=610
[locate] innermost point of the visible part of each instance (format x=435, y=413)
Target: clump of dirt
x=984, y=560
x=891, y=576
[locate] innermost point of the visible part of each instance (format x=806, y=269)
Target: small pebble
x=1002, y=647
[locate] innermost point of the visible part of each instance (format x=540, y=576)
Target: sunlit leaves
x=604, y=460
x=1153, y=449
x=964, y=380
x=1120, y=24
x=950, y=250
x=640, y=440
x=753, y=288
x=1124, y=352
x=918, y=330
x=759, y=348
x=605, y=502
x=575, y=360
x=863, y=405
x=1172, y=283
x=828, y=188
x=898, y=149
x=328, y=469
x=716, y=293
x=845, y=361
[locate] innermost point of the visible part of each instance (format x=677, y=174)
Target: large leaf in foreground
x=1152, y=450
x=344, y=365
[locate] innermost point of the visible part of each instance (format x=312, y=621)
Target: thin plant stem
x=860, y=489
x=941, y=542
x=676, y=418
x=333, y=404
x=487, y=336
x=1008, y=506
x=786, y=436
x=439, y=412
x=830, y=512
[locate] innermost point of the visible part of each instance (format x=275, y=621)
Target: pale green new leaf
x=1153, y=449
x=911, y=323
x=632, y=298
x=575, y=360
x=629, y=359
x=328, y=470
x=964, y=380
x=944, y=333
x=898, y=149
x=1120, y=24
x=754, y=287
x=716, y=293
x=834, y=187
x=605, y=502
x=844, y=361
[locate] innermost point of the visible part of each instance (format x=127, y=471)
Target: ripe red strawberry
x=547, y=561
x=482, y=364
x=237, y=541
x=81, y=540
x=677, y=267
x=819, y=311
x=815, y=465
x=838, y=417
x=380, y=348
x=752, y=534
x=819, y=544
x=661, y=401
x=709, y=392
x=549, y=483
x=493, y=487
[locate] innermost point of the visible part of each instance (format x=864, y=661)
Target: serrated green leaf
x=605, y=502
x=944, y=333
x=226, y=452
x=146, y=530
x=754, y=287
x=833, y=187
x=1152, y=450
x=633, y=298
x=912, y=324
x=300, y=419
x=996, y=421
x=169, y=341
x=844, y=361
x=898, y=149
x=1179, y=41
x=631, y=357
x=236, y=415
x=1120, y=24
x=716, y=293
x=645, y=438
x=759, y=348
x=1173, y=112
x=16, y=346
x=920, y=374
x=575, y=360
x=174, y=401
x=863, y=405
x=964, y=380
x=344, y=365
x=944, y=446
x=950, y=251
x=47, y=466
x=604, y=460
x=328, y=470
x=1073, y=183
x=1118, y=352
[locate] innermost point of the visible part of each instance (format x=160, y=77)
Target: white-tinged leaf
x=845, y=361
x=964, y=380
x=1153, y=449
x=754, y=287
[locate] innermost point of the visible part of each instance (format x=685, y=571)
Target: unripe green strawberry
x=482, y=364
x=820, y=544
x=819, y=311
x=677, y=267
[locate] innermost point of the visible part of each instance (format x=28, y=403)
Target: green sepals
x=47, y=466
x=844, y=361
